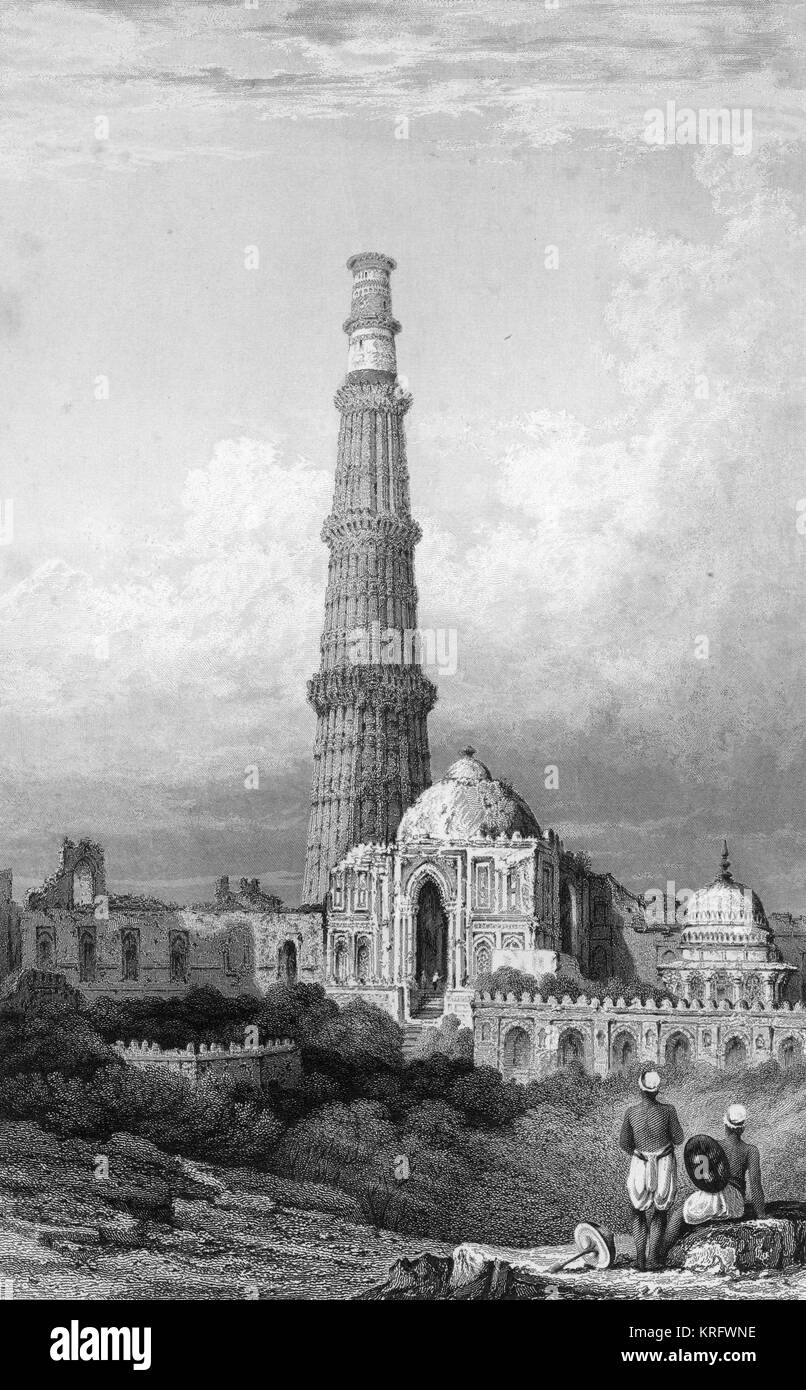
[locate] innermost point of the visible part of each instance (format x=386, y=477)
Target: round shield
x=706, y=1163
x=597, y=1242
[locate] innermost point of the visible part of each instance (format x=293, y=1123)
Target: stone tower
x=371, y=758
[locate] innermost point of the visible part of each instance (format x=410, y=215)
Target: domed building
x=471, y=882
x=727, y=952
x=469, y=803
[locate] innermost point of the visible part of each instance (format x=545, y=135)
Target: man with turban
x=649, y=1134
x=730, y=1203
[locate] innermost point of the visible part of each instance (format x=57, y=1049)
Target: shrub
x=53, y=1039
x=449, y=1038
x=486, y=1099
x=507, y=980
x=362, y=1035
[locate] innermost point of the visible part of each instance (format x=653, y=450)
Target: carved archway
x=431, y=933
x=363, y=960
x=570, y=1049
x=179, y=958
x=735, y=1054
x=625, y=1051
x=341, y=964
x=86, y=957
x=790, y=1053
x=130, y=951
x=287, y=963
x=678, y=1051
x=45, y=951
x=482, y=958
x=83, y=890
x=517, y=1053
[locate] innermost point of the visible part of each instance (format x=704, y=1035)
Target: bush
x=54, y=1039
x=486, y=1099
x=363, y=1036
x=201, y=1015
x=449, y=1038
x=507, y=980
x=573, y=1089
x=297, y=1011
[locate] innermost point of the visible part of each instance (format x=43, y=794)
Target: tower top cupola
x=371, y=326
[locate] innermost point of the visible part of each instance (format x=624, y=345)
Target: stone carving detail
x=371, y=756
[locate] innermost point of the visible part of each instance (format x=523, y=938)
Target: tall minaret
x=371, y=758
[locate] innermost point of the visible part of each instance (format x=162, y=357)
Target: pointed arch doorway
x=431, y=937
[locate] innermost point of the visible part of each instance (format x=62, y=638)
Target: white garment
x=702, y=1207
x=652, y=1180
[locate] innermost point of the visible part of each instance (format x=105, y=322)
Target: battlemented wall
x=530, y=1037
x=276, y=1063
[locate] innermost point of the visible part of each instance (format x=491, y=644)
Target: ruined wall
x=77, y=882
x=127, y=946
x=125, y=953
x=790, y=938
x=10, y=939
x=286, y=945
x=163, y=951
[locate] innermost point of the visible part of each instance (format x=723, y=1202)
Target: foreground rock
x=705, y=1264
x=775, y=1243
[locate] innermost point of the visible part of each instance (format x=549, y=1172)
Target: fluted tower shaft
x=371, y=758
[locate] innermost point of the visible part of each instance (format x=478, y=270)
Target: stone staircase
x=426, y=1018
x=432, y=1010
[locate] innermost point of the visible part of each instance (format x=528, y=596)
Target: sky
x=603, y=338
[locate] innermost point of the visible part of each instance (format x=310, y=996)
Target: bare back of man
x=744, y=1167
x=650, y=1133
x=654, y=1125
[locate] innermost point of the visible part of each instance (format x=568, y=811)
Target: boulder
x=743, y=1246
x=473, y=1278
x=426, y=1277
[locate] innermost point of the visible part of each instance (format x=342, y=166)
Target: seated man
x=650, y=1133
x=744, y=1164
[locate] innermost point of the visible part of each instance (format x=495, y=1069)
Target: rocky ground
x=750, y=1261
x=234, y=1235
x=160, y=1228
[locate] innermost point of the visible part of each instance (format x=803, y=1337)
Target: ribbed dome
x=467, y=804
x=725, y=906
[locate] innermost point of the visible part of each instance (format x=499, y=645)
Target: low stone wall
x=390, y=998
x=526, y=1038
x=276, y=1063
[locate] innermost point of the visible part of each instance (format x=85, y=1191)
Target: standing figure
x=649, y=1134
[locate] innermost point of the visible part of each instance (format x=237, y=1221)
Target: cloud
x=590, y=560
x=535, y=75
x=189, y=657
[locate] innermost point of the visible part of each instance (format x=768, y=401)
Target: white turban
x=735, y=1117
x=649, y=1081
